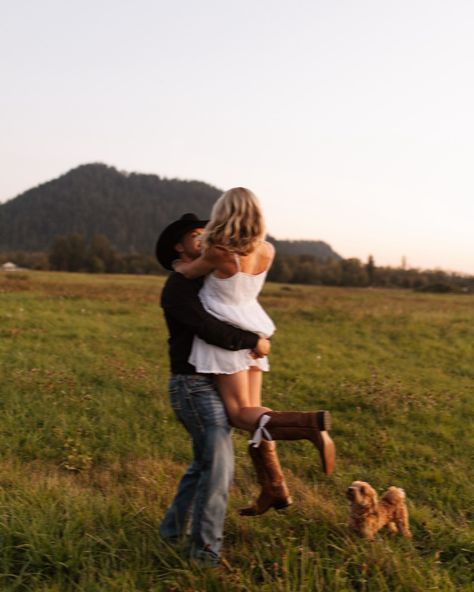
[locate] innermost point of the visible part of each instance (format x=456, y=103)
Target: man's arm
x=181, y=302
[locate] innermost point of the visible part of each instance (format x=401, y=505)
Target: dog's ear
x=371, y=495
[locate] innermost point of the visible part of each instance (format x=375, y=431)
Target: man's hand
x=262, y=348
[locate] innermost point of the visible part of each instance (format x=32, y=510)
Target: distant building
x=9, y=266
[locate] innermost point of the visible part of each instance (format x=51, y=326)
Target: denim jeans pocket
x=175, y=391
x=210, y=408
x=196, y=402
x=200, y=383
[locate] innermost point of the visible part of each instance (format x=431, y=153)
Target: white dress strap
x=269, y=248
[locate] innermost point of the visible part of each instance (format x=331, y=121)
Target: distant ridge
x=318, y=249
x=130, y=209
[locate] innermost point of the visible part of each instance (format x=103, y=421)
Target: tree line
x=75, y=253
x=305, y=269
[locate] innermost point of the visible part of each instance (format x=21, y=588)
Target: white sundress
x=234, y=301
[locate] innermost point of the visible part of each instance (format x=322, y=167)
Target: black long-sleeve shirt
x=186, y=317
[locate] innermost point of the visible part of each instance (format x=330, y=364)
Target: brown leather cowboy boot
x=296, y=425
x=274, y=493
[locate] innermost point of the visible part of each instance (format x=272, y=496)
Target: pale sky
x=352, y=120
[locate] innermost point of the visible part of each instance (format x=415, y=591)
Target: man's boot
x=296, y=425
x=274, y=493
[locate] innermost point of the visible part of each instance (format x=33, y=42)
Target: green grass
x=91, y=452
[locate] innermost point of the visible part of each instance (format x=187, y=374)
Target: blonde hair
x=236, y=222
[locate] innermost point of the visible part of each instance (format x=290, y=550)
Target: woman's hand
x=177, y=265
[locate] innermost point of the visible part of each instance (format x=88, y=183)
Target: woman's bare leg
x=255, y=392
x=235, y=392
x=255, y=386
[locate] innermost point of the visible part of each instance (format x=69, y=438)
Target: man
x=203, y=490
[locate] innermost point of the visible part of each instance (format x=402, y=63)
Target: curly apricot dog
x=367, y=515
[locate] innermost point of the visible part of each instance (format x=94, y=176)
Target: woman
x=235, y=260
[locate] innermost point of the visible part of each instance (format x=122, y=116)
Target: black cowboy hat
x=171, y=235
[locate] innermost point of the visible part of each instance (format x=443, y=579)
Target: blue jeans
x=203, y=490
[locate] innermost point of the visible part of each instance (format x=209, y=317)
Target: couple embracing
x=218, y=346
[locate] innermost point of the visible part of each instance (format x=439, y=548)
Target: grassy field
x=91, y=453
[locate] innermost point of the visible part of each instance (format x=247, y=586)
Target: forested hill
x=130, y=209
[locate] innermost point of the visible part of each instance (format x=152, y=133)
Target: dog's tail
x=394, y=495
